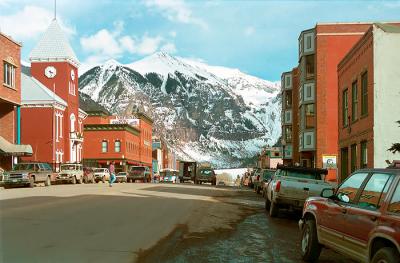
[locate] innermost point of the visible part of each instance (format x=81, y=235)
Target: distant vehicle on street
x=291, y=186
x=139, y=173
x=28, y=174
x=88, y=175
x=205, y=175
x=70, y=173
x=121, y=177
x=101, y=174
x=263, y=180
x=253, y=177
x=169, y=176
x=361, y=219
x=187, y=171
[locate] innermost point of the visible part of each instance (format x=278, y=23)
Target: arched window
x=73, y=119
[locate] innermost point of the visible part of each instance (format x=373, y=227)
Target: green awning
x=8, y=148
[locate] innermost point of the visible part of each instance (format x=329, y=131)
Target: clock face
x=72, y=74
x=50, y=72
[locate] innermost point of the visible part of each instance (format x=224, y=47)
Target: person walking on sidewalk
x=112, y=173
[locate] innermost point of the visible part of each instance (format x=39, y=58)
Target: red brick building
x=126, y=141
x=10, y=102
x=369, y=94
x=50, y=114
x=320, y=51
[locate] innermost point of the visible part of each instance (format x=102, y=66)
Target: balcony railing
x=76, y=136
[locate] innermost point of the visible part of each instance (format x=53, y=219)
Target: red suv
x=361, y=219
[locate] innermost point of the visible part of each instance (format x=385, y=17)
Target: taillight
x=278, y=186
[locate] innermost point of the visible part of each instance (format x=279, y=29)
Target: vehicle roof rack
x=395, y=164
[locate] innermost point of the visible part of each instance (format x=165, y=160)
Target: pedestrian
x=112, y=173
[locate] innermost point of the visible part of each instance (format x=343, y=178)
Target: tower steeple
x=54, y=47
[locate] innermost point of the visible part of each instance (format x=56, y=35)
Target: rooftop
x=54, y=46
x=33, y=92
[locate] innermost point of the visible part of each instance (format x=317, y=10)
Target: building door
x=344, y=160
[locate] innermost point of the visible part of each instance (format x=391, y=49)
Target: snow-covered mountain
x=205, y=113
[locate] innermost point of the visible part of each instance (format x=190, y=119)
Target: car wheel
x=386, y=255
x=73, y=180
x=310, y=248
x=267, y=204
x=32, y=182
x=47, y=182
x=273, y=209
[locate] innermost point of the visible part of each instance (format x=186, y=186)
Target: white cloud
x=169, y=48
x=106, y=44
x=173, y=33
x=249, y=31
x=149, y=45
x=103, y=42
x=30, y=22
x=177, y=11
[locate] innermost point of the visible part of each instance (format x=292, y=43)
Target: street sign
x=329, y=161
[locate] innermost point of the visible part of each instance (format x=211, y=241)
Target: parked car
x=101, y=174
x=205, y=175
x=141, y=173
x=263, y=179
x=291, y=186
x=28, y=174
x=121, y=177
x=88, y=175
x=70, y=173
x=169, y=176
x=361, y=219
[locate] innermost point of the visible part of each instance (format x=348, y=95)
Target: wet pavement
x=257, y=238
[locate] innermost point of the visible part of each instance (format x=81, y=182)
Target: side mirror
x=327, y=192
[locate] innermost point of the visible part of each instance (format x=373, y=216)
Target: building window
x=9, y=75
x=353, y=157
x=309, y=42
x=308, y=140
x=288, y=134
x=104, y=146
x=364, y=94
x=354, y=101
x=288, y=99
x=345, y=108
x=310, y=67
x=117, y=146
x=364, y=155
x=310, y=110
x=287, y=81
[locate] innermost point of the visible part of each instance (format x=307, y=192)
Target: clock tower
x=55, y=65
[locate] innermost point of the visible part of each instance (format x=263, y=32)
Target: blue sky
x=257, y=37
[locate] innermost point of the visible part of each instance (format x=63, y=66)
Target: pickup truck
x=27, y=174
x=291, y=186
x=141, y=173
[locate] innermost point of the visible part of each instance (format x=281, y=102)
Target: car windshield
x=137, y=170
x=207, y=172
x=23, y=166
x=99, y=170
x=121, y=174
x=67, y=167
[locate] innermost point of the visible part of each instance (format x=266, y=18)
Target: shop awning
x=8, y=148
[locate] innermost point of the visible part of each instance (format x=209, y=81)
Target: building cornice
x=66, y=59
x=43, y=104
x=112, y=127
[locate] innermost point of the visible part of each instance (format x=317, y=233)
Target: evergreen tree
x=395, y=146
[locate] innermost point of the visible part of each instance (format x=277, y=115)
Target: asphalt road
x=144, y=223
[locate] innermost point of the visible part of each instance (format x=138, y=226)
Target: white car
x=71, y=173
x=101, y=174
